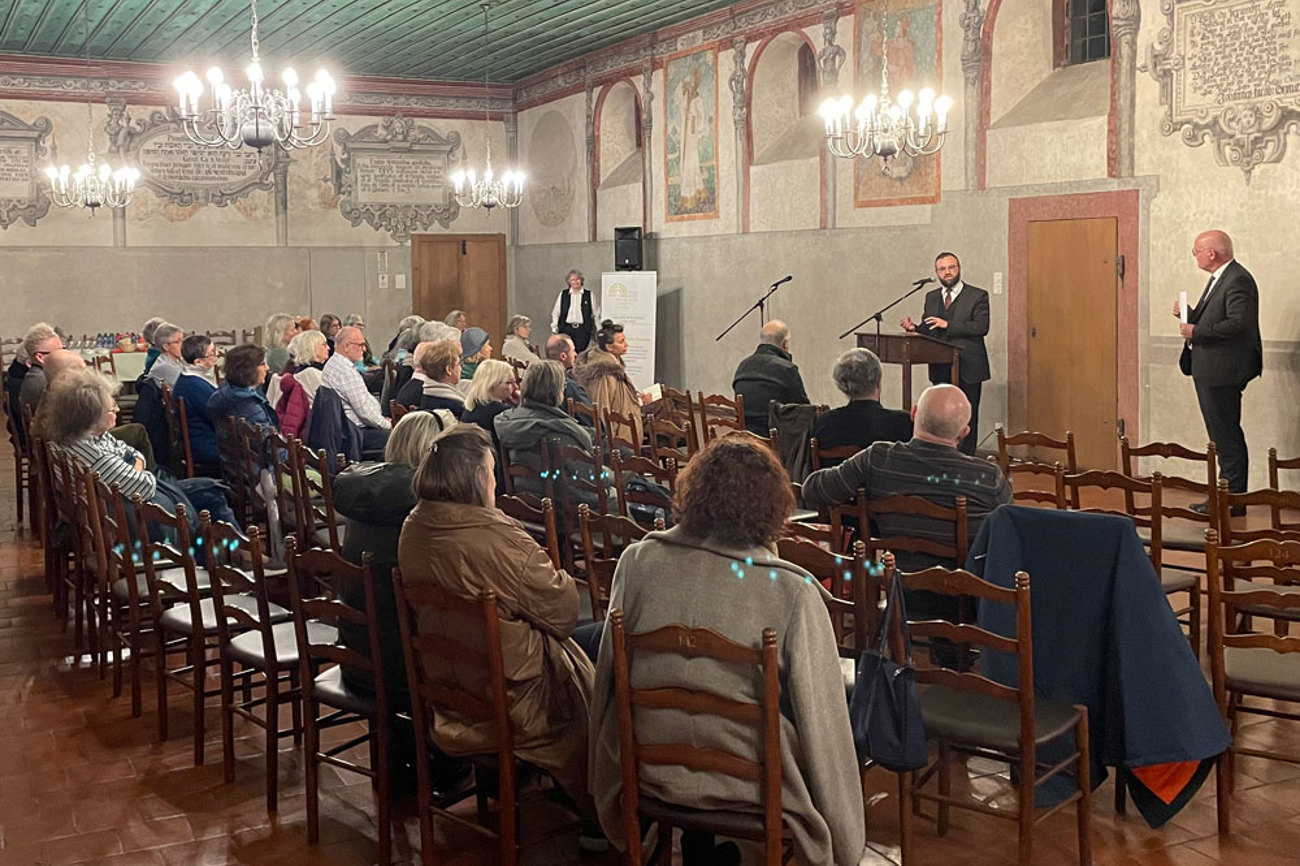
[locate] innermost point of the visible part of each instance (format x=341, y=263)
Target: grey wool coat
x=671, y=577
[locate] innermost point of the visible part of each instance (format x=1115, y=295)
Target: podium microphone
x=784, y=279
x=924, y=281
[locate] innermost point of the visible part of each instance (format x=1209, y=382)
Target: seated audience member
x=516, y=346
x=730, y=503
x=14, y=376
x=408, y=392
x=559, y=347
x=493, y=391
x=39, y=341
x=58, y=366
x=768, y=374
x=601, y=371
x=863, y=420
x=539, y=417
x=474, y=347
x=367, y=360
x=196, y=390
x=329, y=326
x=306, y=323
x=426, y=332
x=280, y=329
x=359, y=405
x=457, y=319
x=240, y=394
x=408, y=326
x=146, y=334
x=456, y=539
x=440, y=363
x=169, y=366
x=82, y=411
x=308, y=352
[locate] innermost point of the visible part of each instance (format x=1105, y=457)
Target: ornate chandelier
x=257, y=116
x=487, y=191
x=91, y=186
x=883, y=128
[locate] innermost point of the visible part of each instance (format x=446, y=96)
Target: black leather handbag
x=885, y=708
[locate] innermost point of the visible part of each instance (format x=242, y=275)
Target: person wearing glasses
x=39, y=341
x=169, y=366
x=196, y=389
x=359, y=405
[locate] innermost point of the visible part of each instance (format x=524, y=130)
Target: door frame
x=1121, y=205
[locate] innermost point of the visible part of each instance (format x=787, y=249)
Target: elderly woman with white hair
x=169, y=366
x=516, y=346
x=293, y=392
x=280, y=329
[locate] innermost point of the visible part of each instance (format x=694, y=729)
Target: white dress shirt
x=575, y=309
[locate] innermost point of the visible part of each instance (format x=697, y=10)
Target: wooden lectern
x=908, y=349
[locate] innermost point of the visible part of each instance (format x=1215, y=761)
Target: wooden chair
x=317, y=519
x=22, y=459
x=315, y=580
x=265, y=649
x=532, y=483
x=105, y=364
x=670, y=441
x=459, y=669
x=1185, y=531
x=681, y=411
x=717, y=411
x=173, y=431
x=94, y=581
x=591, y=414
x=1278, y=503
x=397, y=410
x=769, y=440
x=578, y=476
x=251, y=335
x=538, y=522
x=131, y=622
x=604, y=538
x=254, y=446
x=970, y=714
x=847, y=580
x=823, y=458
x=764, y=715
x=181, y=446
x=1260, y=666
x=623, y=466
x=1275, y=465
x=63, y=568
x=230, y=453
x=1034, y=465
x=222, y=338
x=831, y=537
x=619, y=431
x=878, y=515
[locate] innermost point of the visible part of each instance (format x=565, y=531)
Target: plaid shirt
x=359, y=404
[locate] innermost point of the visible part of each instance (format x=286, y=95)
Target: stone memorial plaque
x=1229, y=74
x=23, y=156
x=393, y=175
x=181, y=171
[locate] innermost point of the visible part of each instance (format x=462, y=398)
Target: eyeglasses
x=114, y=409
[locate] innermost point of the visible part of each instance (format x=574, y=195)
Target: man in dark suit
x=863, y=421
x=1223, y=352
x=958, y=313
x=768, y=374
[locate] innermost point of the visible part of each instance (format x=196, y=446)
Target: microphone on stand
x=924, y=281
x=784, y=279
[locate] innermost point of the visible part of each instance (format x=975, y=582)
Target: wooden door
x=1072, y=304
x=461, y=272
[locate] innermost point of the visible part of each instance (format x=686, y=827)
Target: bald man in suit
x=1222, y=351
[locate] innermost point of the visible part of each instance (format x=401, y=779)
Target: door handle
x=1033, y=332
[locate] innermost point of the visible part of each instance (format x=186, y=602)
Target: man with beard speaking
x=958, y=313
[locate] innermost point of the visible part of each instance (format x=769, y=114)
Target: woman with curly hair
x=716, y=569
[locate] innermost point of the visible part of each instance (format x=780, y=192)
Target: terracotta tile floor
x=82, y=782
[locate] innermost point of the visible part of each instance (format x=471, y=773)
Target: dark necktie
x=947, y=298
x=1205, y=294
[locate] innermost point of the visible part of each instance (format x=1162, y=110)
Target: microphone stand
x=760, y=305
x=878, y=316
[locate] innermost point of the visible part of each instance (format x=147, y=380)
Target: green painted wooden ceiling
x=429, y=39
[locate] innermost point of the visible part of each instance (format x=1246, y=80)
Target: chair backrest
x=536, y=476
x=695, y=643
x=457, y=668
x=539, y=522
x=1278, y=503
x=315, y=579
x=871, y=513
x=1033, y=465
x=173, y=429
x=669, y=440
x=823, y=458
x=848, y=580
x=222, y=338
x=1275, y=464
x=718, y=410
x=254, y=446
x=1225, y=565
x=235, y=565
x=251, y=335
x=182, y=447
x=604, y=538
x=960, y=583
x=624, y=466
x=105, y=364
x=619, y=430
x=122, y=551
x=316, y=505
x=396, y=410
x=87, y=525
x=1070, y=489
x=1203, y=482
x=173, y=548
x=578, y=474
x=591, y=414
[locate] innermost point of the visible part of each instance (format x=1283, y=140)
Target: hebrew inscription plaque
x=22, y=156
x=393, y=175
x=1229, y=74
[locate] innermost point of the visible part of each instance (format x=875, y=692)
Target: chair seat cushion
x=249, y=651
x=331, y=690
x=177, y=618
x=322, y=535
x=977, y=719
x=1176, y=580
x=1185, y=535
x=734, y=824
x=172, y=580
x=1264, y=610
x=1262, y=672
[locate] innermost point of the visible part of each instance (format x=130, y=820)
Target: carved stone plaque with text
x=179, y=170
x=1229, y=75
x=23, y=155
x=395, y=176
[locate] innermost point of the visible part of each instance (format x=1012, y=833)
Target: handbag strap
x=895, y=605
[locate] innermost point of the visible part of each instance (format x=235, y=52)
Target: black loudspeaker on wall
x=627, y=249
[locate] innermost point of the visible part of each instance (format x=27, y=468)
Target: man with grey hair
x=39, y=343
x=928, y=465
x=863, y=421
x=768, y=374
x=560, y=348
x=168, y=368
x=359, y=405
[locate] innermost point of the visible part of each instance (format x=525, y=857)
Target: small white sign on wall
x=629, y=298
